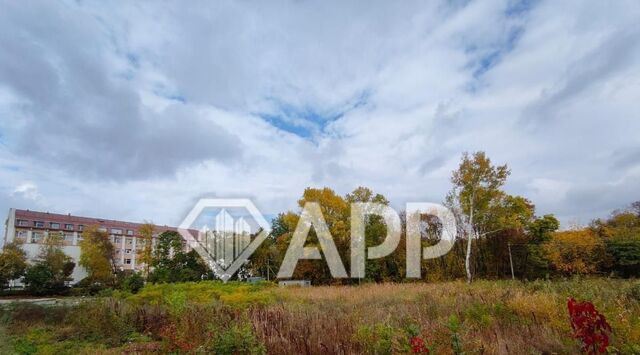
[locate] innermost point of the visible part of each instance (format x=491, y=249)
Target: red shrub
x=589, y=326
x=418, y=346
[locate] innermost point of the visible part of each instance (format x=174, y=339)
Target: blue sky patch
x=308, y=121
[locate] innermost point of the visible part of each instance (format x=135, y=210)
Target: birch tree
x=476, y=189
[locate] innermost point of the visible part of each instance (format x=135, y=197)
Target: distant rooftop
x=27, y=218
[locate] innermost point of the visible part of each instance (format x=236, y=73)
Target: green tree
x=13, y=263
x=506, y=223
x=38, y=279
x=52, y=268
x=539, y=231
x=270, y=253
x=97, y=256
x=621, y=235
x=265, y=259
x=384, y=269
x=171, y=263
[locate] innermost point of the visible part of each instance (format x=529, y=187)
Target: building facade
x=31, y=228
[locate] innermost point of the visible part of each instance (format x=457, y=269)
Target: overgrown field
x=210, y=317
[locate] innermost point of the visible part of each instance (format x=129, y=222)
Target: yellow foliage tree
x=97, y=255
x=145, y=255
x=577, y=251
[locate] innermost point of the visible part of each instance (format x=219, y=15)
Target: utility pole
x=511, y=263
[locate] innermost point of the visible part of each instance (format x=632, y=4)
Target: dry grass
x=497, y=317
x=500, y=317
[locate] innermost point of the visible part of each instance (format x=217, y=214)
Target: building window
x=129, y=232
x=68, y=237
x=68, y=227
x=22, y=223
x=127, y=261
x=38, y=224
x=37, y=237
x=117, y=240
x=22, y=235
x=79, y=238
x=54, y=225
x=116, y=231
x=127, y=251
x=129, y=241
x=80, y=227
x=102, y=229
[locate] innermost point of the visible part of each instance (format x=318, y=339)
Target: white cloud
x=133, y=111
x=27, y=190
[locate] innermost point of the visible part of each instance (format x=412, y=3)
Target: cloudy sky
x=135, y=111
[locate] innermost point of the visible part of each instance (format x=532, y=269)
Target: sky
x=135, y=110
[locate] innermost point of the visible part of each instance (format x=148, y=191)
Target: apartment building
x=32, y=227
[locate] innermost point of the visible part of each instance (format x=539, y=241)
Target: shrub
x=177, y=302
x=23, y=314
x=107, y=321
x=589, y=326
x=201, y=293
x=87, y=287
x=418, y=345
x=376, y=339
x=411, y=340
x=133, y=283
x=634, y=292
x=237, y=339
x=479, y=314
x=194, y=326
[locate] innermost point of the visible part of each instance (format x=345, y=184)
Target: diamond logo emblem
x=227, y=246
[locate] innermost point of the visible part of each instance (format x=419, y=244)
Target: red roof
x=62, y=219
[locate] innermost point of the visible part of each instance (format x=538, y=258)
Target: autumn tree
x=337, y=215
x=145, y=255
x=97, y=256
x=577, y=251
x=476, y=189
x=336, y=212
x=13, y=263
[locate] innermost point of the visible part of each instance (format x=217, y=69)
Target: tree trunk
x=470, y=232
x=467, y=260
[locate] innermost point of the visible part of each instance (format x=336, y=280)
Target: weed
x=454, y=327
x=239, y=338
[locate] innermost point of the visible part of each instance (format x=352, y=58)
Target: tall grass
x=493, y=317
